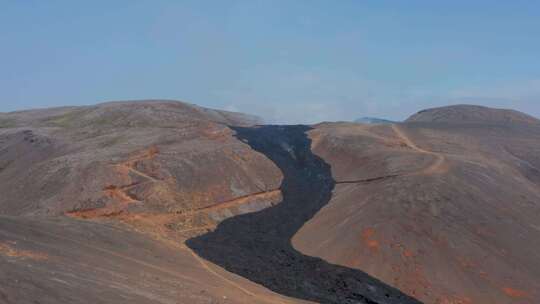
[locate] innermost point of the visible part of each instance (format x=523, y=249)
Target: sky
x=287, y=61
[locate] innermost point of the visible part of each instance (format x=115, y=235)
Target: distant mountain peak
x=373, y=121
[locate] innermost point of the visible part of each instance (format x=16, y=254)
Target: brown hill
x=151, y=156
x=211, y=209
x=472, y=114
x=448, y=213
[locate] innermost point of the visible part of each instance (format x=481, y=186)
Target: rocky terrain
x=168, y=202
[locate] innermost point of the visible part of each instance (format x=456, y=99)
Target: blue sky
x=289, y=61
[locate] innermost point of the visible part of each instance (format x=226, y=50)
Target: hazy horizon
x=300, y=62
x=265, y=119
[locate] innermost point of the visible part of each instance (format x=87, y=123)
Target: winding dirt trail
x=121, y=194
x=239, y=201
x=129, y=166
x=125, y=166
x=439, y=164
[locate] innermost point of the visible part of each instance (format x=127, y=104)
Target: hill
x=419, y=201
x=149, y=156
x=472, y=114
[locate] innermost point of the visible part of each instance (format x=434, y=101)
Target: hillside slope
x=61, y=260
x=145, y=157
x=446, y=211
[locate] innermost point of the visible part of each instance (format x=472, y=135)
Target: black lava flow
x=257, y=246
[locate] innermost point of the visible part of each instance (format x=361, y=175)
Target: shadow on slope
x=258, y=246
